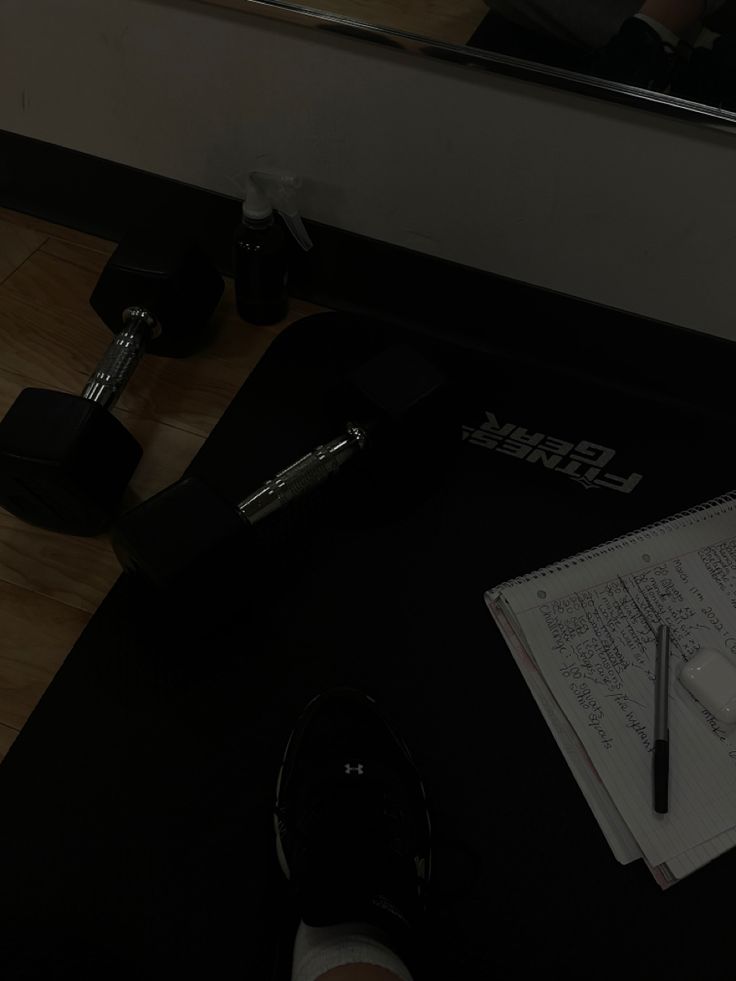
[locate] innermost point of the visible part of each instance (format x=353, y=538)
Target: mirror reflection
x=684, y=48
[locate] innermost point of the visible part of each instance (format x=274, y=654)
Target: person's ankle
x=347, y=952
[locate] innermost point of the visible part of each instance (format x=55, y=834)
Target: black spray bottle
x=260, y=257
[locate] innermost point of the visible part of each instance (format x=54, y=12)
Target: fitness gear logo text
x=583, y=462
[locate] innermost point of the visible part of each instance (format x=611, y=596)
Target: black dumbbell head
x=410, y=412
x=184, y=540
x=64, y=462
x=401, y=398
x=189, y=541
x=396, y=383
x=171, y=278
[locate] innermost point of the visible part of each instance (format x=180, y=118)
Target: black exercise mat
x=135, y=806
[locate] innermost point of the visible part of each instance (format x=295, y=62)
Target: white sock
x=320, y=949
x=706, y=39
x=669, y=37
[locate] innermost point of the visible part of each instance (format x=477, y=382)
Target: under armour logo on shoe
x=354, y=769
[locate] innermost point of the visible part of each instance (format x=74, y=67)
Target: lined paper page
x=590, y=627
x=614, y=828
x=612, y=824
x=684, y=864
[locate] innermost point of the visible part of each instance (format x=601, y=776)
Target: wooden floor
x=451, y=21
x=50, y=584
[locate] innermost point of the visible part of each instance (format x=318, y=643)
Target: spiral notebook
x=583, y=632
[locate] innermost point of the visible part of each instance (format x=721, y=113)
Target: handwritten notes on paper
x=590, y=627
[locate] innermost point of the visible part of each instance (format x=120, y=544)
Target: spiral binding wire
x=641, y=535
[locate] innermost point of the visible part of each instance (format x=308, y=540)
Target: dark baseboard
x=524, y=324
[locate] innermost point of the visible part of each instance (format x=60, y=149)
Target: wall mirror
x=671, y=56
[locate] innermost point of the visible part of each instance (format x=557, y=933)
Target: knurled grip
x=302, y=476
x=118, y=363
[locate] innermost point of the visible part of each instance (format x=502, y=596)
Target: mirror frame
x=484, y=60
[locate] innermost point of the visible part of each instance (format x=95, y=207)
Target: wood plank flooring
x=451, y=21
x=50, y=337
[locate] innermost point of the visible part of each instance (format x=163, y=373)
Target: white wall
x=609, y=203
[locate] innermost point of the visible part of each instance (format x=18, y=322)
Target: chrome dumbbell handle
x=113, y=373
x=299, y=478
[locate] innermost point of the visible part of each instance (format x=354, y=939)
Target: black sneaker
x=637, y=56
x=709, y=77
x=353, y=831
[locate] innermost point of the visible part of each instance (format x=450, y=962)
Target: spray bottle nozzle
x=266, y=192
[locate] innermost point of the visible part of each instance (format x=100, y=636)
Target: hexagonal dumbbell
x=65, y=460
x=187, y=539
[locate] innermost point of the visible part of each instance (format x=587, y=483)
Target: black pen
x=661, y=721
